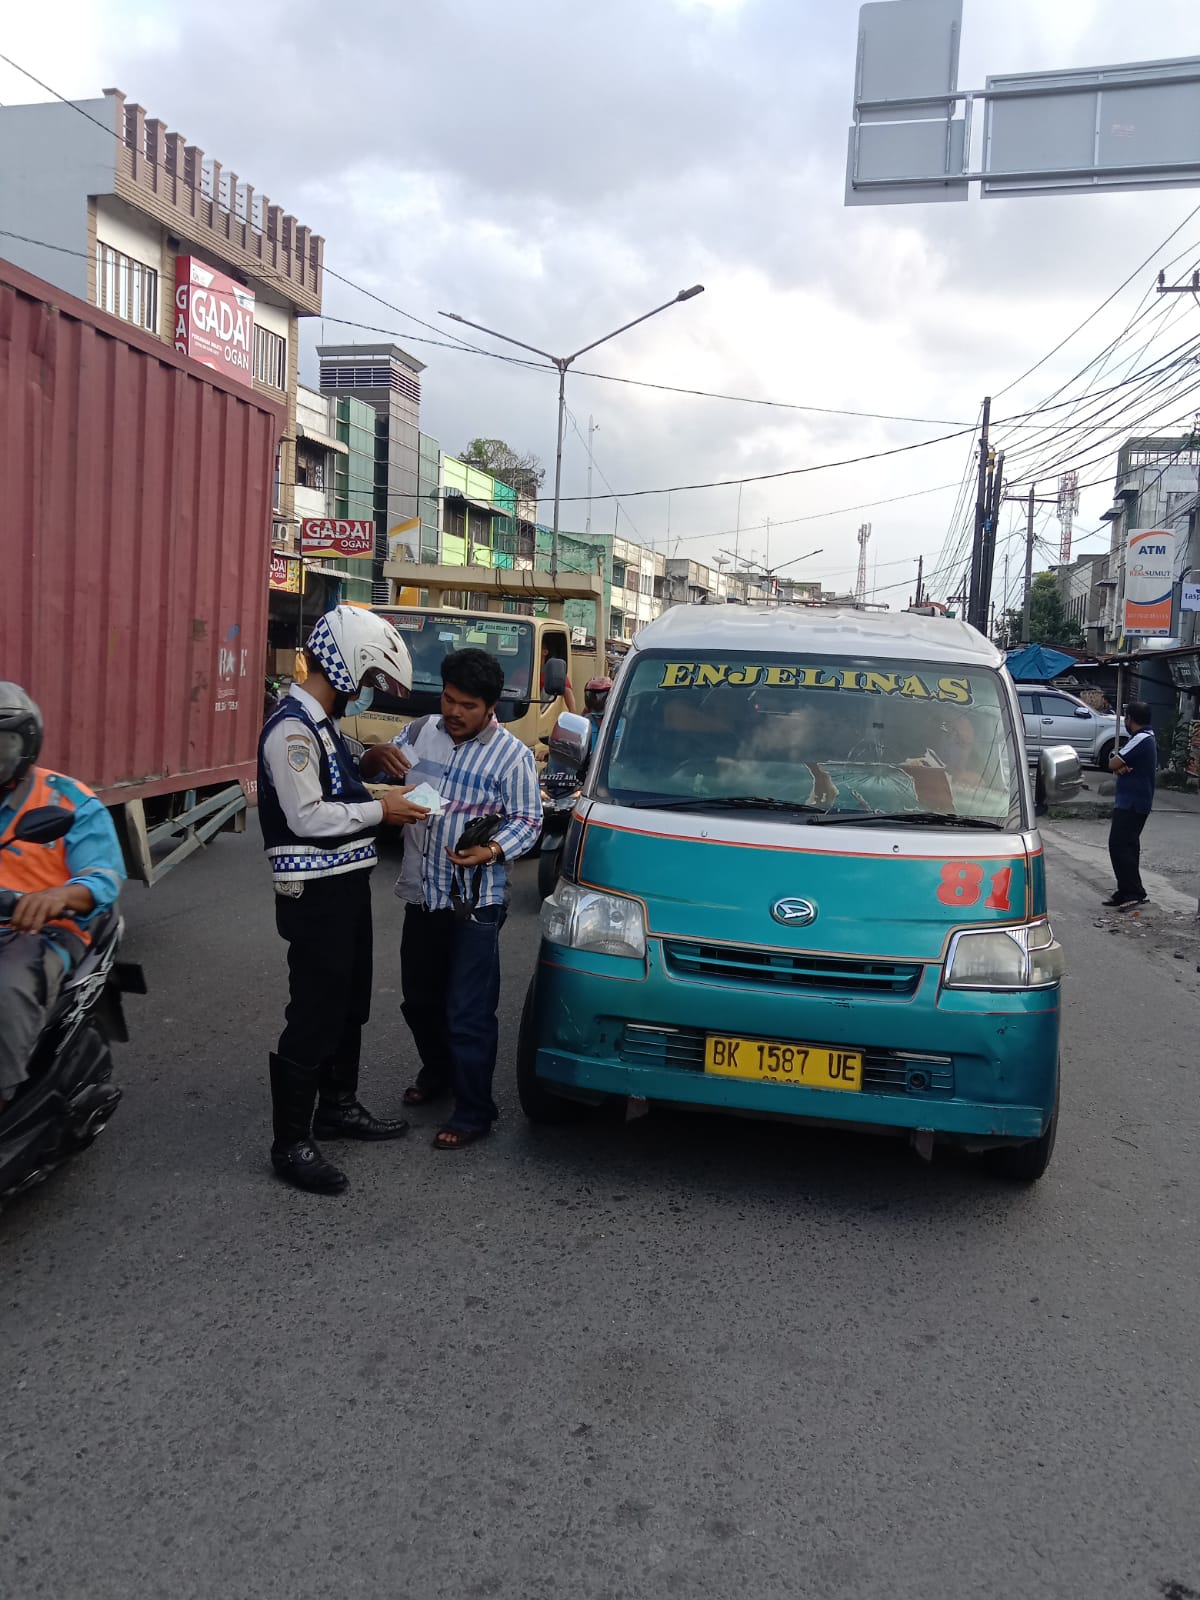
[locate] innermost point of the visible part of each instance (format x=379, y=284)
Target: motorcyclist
x=595, y=697
x=319, y=822
x=63, y=886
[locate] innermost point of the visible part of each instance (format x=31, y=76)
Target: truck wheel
x=538, y=1102
x=549, y=866
x=1104, y=754
x=1025, y=1163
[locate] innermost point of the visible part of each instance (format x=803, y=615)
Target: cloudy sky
x=553, y=169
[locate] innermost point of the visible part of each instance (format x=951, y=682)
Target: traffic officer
x=319, y=823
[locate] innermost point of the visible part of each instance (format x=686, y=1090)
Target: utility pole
x=991, y=521
x=976, y=606
x=920, y=576
x=592, y=425
x=1027, y=602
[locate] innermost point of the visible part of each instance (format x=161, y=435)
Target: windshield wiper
x=726, y=802
x=918, y=819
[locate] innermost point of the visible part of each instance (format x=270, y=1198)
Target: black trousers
x=330, y=947
x=1125, y=851
x=450, y=974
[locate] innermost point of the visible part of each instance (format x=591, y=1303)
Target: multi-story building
x=1157, y=485
x=119, y=210
x=386, y=378
x=335, y=479
x=636, y=588
x=692, y=583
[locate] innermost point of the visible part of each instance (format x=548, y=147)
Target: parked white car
x=1052, y=716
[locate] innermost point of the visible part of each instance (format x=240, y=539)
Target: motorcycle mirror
x=43, y=825
x=570, y=741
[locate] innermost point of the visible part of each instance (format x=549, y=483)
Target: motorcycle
x=69, y=1095
x=562, y=784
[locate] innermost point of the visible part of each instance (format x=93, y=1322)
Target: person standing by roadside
x=319, y=822
x=457, y=898
x=1135, y=765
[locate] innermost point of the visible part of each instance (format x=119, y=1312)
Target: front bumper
x=974, y=1065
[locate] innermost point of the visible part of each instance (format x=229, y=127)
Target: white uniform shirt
x=292, y=754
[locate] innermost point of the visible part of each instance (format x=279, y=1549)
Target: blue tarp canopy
x=1037, y=663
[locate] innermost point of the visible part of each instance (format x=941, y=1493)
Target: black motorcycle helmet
x=595, y=693
x=20, y=734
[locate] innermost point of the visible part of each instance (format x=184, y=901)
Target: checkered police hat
x=333, y=664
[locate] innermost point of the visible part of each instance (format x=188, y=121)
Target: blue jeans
x=450, y=975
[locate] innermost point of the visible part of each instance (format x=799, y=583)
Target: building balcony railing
x=159, y=172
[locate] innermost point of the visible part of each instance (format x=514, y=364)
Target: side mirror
x=570, y=742
x=1060, y=775
x=1082, y=711
x=554, y=678
x=43, y=825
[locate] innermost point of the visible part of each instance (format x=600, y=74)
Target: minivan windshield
x=823, y=738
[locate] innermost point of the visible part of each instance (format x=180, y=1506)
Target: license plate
x=767, y=1061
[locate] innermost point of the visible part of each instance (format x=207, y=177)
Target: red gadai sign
x=214, y=319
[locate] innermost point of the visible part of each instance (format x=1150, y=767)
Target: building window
x=618, y=574
x=270, y=359
x=126, y=288
x=310, y=466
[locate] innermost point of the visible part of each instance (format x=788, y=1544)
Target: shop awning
x=322, y=439
x=1037, y=663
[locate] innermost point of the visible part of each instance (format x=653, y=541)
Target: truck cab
x=530, y=702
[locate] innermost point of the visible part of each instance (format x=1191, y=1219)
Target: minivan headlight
x=588, y=919
x=1005, y=958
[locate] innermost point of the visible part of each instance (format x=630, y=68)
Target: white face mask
x=362, y=703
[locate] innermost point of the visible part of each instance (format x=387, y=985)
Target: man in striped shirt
x=457, y=899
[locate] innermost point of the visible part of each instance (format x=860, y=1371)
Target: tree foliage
x=1049, y=623
x=524, y=473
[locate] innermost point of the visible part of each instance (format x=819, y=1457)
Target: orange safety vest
x=30, y=867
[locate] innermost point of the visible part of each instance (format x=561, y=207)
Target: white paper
x=426, y=795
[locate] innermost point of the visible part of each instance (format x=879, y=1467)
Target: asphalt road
x=682, y=1357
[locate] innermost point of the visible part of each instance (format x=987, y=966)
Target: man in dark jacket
x=1135, y=765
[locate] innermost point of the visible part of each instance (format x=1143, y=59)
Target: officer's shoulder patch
x=298, y=754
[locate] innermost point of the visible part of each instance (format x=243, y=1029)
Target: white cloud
x=552, y=169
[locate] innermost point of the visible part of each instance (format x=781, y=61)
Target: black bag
x=480, y=830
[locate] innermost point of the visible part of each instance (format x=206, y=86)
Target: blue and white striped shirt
x=493, y=773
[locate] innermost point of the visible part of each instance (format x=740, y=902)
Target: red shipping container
x=136, y=490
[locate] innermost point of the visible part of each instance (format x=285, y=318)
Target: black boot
x=293, y=1154
x=343, y=1116
x=340, y=1113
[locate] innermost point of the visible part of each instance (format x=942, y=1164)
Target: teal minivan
x=804, y=880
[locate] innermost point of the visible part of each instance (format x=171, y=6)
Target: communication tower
x=860, y=583
x=1068, y=505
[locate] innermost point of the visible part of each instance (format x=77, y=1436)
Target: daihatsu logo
x=794, y=913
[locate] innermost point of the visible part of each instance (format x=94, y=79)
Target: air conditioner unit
x=281, y=534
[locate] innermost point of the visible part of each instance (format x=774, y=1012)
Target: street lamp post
x=770, y=572
x=562, y=363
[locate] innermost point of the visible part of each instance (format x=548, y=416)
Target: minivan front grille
x=783, y=969
x=884, y=1071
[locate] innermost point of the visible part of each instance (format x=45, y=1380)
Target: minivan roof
x=818, y=631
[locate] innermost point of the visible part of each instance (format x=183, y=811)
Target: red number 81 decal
x=962, y=884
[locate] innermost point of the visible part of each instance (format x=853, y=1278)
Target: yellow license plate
x=767, y=1061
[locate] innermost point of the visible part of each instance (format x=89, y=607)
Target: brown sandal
x=458, y=1138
